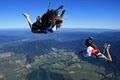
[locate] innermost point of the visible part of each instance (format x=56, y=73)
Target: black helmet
x=88, y=41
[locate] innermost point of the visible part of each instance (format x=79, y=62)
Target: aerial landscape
x=27, y=56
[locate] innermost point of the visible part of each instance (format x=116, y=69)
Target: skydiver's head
x=88, y=41
x=58, y=23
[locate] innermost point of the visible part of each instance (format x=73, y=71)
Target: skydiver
x=41, y=25
x=92, y=49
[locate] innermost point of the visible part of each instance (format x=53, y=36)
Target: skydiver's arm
x=61, y=15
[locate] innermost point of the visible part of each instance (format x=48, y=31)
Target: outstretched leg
x=106, y=48
x=109, y=58
x=28, y=19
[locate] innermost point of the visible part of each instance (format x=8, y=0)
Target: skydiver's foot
x=105, y=46
x=65, y=17
x=26, y=15
x=108, y=47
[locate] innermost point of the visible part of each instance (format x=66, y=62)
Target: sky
x=101, y=14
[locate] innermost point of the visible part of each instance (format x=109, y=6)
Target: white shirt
x=54, y=28
x=88, y=52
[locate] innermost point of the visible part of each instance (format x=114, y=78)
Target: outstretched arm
x=61, y=15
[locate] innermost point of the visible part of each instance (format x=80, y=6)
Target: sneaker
x=108, y=46
x=25, y=14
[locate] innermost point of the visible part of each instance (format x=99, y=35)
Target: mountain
x=52, y=55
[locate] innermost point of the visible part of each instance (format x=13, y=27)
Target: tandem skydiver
x=49, y=22
x=92, y=50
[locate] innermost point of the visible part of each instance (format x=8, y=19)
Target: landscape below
x=55, y=56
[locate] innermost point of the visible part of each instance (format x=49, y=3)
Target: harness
x=95, y=52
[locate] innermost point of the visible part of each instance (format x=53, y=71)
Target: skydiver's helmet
x=89, y=41
x=52, y=10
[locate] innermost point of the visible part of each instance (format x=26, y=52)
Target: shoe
x=25, y=14
x=108, y=46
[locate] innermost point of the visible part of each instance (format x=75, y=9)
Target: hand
x=65, y=17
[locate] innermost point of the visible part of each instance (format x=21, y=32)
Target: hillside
x=45, y=57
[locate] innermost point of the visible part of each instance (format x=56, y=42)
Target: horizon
x=64, y=28
x=91, y=30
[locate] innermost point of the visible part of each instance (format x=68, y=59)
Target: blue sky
x=80, y=13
